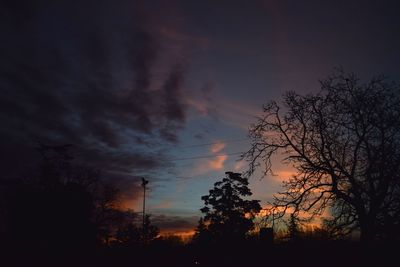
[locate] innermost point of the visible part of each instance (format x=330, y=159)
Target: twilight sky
x=168, y=89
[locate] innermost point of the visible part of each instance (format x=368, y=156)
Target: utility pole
x=144, y=183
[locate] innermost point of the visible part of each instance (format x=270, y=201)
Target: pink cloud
x=217, y=147
x=218, y=162
x=199, y=106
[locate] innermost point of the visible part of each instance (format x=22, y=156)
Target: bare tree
x=344, y=143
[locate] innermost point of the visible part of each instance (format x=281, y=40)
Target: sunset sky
x=166, y=90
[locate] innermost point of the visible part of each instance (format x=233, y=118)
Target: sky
x=167, y=90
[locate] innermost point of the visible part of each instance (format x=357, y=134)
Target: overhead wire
x=207, y=156
x=209, y=144
x=214, y=143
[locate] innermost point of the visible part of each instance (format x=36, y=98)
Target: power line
x=214, y=143
x=207, y=156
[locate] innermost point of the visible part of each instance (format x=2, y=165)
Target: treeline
x=64, y=205
x=65, y=215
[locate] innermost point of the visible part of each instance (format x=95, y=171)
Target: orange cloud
x=218, y=162
x=205, y=166
x=284, y=174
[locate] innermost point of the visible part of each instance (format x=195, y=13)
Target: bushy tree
x=228, y=216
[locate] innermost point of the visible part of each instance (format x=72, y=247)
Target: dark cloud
x=82, y=73
x=173, y=105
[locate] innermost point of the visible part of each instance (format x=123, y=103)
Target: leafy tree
x=227, y=215
x=344, y=142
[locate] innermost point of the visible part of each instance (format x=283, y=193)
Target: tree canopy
x=228, y=216
x=344, y=142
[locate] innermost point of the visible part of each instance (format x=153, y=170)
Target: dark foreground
x=245, y=254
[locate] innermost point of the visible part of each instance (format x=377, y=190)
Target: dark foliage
x=227, y=215
x=131, y=234
x=63, y=207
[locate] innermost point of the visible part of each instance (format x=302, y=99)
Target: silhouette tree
x=130, y=234
x=293, y=229
x=227, y=215
x=148, y=232
x=52, y=209
x=201, y=235
x=108, y=216
x=344, y=143
x=64, y=205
